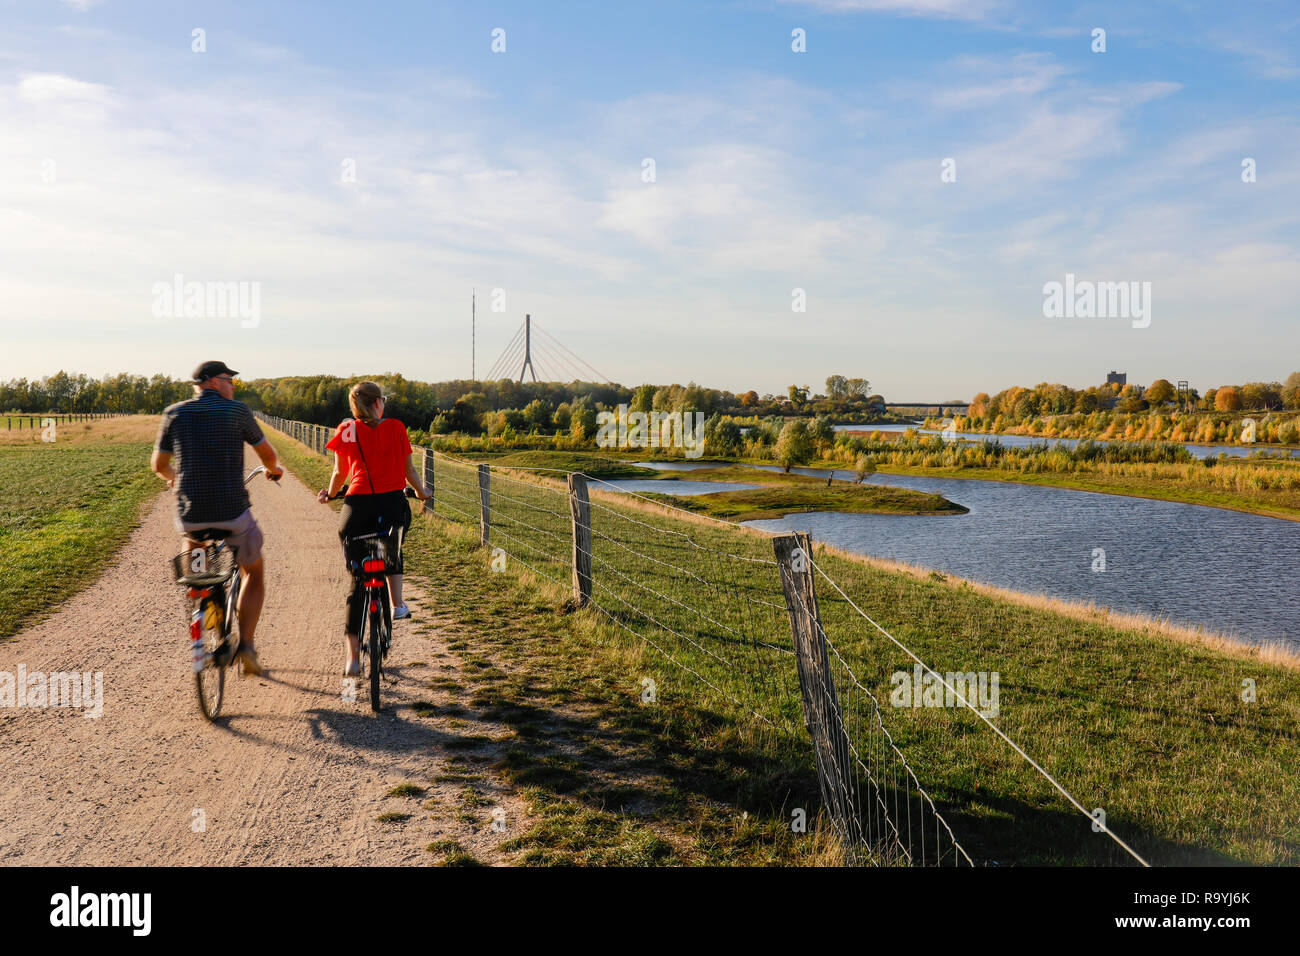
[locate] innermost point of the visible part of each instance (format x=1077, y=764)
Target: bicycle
x=213, y=581
x=367, y=557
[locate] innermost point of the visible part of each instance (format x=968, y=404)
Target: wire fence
x=17, y=422
x=733, y=618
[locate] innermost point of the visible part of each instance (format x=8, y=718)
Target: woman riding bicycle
x=372, y=455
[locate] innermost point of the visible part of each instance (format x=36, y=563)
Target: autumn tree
x=1160, y=392
x=795, y=446
x=1227, y=399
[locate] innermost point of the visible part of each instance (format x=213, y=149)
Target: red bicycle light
x=372, y=565
x=374, y=607
x=373, y=583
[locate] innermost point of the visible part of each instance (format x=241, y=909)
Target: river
x=1231, y=572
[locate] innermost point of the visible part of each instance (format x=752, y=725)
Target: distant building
x=1117, y=378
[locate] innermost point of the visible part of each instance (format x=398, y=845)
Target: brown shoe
x=250, y=666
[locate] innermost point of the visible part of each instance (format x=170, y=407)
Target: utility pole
x=473, y=377
x=528, y=349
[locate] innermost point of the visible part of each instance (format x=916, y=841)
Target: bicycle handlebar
x=257, y=471
x=409, y=492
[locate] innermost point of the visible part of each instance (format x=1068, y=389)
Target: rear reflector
x=372, y=565
x=374, y=607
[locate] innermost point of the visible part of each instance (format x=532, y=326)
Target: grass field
x=784, y=494
x=781, y=494
x=1143, y=721
x=66, y=507
x=594, y=466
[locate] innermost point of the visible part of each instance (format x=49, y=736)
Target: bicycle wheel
x=210, y=679
x=376, y=658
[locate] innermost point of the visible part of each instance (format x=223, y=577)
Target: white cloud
x=49, y=87
x=1022, y=76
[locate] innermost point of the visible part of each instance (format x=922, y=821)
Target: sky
x=361, y=169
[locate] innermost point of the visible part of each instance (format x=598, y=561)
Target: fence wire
x=713, y=609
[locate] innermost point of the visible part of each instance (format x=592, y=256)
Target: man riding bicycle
x=207, y=434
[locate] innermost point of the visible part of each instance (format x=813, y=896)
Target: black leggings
x=366, y=514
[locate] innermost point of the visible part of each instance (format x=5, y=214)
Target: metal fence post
x=427, y=474
x=484, y=504
x=821, y=705
x=580, y=507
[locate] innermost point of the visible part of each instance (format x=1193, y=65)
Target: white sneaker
x=401, y=613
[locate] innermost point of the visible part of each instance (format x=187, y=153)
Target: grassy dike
x=66, y=507
x=1139, y=719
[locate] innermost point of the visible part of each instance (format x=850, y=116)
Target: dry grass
x=130, y=428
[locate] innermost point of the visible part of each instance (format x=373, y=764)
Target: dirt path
x=292, y=775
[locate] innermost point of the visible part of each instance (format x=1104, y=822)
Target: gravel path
x=291, y=775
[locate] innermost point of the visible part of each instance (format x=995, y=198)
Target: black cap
x=211, y=370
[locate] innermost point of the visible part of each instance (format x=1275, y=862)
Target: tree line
x=460, y=406
x=1018, y=404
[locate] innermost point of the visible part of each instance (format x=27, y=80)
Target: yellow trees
x=1227, y=399
x=1161, y=391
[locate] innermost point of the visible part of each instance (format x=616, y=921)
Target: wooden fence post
x=484, y=504
x=426, y=473
x=821, y=705
x=580, y=507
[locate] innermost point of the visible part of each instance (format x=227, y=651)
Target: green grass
x=784, y=494
x=594, y=466
x=1151, y=729
x=406, y=790
x=65, y=509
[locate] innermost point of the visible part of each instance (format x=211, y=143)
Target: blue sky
x=128, y=158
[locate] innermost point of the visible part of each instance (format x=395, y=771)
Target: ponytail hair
x=363, y=398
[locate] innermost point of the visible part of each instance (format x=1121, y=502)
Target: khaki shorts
x=245, y=536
